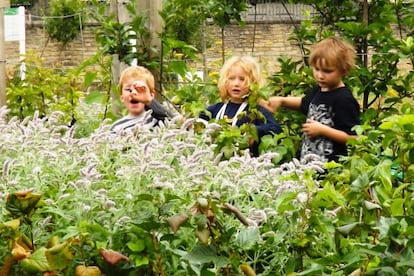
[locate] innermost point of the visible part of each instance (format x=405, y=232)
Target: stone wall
x=265, y=41
x=52, y=52
x=270, y=42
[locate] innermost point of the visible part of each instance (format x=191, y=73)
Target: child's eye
x=129, y=90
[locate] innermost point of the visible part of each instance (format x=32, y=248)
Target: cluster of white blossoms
x=106, y=173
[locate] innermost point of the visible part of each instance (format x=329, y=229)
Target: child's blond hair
x=333, y=52
x=249, y=65
x=137, y=72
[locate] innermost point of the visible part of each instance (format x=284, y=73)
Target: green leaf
x=95, y=97
x=89, y=78
x=384, y=224
x=247, y=238
x=383, y=172
x=205, y=254
x=140, y=260
x=397, y=207
x=284, y=202
x=370, y=205
x=22, y=203
x=37, y=262
x=94, y=231
x=13, y=224
x=346, y=229
x=59, y=256
x=136, y=246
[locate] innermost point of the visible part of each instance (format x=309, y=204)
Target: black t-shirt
x=337, y=109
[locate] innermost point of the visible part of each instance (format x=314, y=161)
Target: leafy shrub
x=65, y=20
x=44, y=90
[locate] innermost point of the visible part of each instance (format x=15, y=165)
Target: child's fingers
x=140, y=86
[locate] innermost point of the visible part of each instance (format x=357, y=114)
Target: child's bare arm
x=274, y=103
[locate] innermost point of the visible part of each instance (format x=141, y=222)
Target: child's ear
x=152, y=92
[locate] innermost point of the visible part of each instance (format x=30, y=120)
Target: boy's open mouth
x=134, y=100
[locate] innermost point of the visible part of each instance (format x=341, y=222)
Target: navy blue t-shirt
x=265, y=126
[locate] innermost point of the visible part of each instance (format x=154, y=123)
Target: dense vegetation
x=187, y=201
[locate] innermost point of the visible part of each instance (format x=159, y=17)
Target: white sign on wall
x=14, y=24
x=15, y=30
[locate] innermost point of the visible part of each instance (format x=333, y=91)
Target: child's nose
x=319, y=75
x=238, y=82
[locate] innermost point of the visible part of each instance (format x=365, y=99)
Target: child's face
x=328, y=77
x=135, y=95
x=236, y=84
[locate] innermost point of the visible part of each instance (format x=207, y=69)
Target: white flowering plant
x=162, y=202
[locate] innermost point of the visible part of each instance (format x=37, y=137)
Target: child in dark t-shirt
x=331, y=109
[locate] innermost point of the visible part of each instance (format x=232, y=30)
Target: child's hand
x=272, y=104
x=141, y=92
x=313, y=128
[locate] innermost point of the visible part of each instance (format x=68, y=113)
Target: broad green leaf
x=140, y=260
x=22, y=203
x=94, y=231
x=247, y=237
x=384, y=224
x=383, y=172
x=89, y=78
x=397, y=207
x=205, y=254
x=386, y=125
x=136, y=246
x=360, y=183
x=37, y=262
x=406, y=119
x=407, y=257
x=381, y=195
x=371, y=249
x=284, y=202
x=95, y=97
x=59, y=256
x=13, y=224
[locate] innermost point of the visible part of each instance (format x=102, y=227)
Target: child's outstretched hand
x=272, y=104
x=141, y=92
